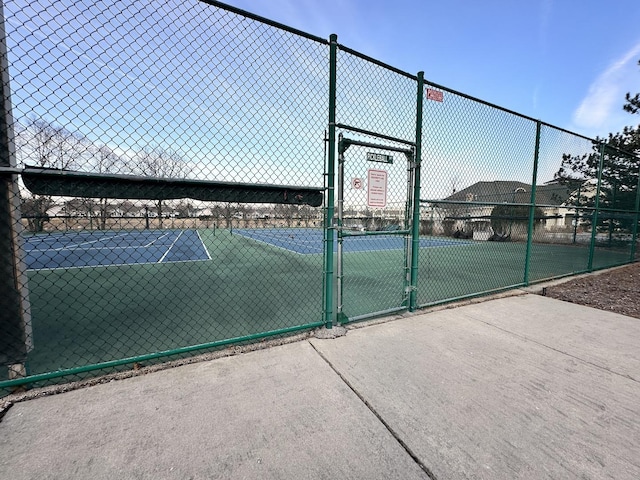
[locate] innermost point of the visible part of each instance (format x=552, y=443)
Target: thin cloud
x=546, y=13
x=606, y=94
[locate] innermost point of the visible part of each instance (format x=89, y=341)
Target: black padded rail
x=51, y=181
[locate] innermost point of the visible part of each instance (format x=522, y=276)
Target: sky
x=218, y=90
x=564, y=62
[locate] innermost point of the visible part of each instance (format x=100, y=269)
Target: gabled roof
x=500, y=191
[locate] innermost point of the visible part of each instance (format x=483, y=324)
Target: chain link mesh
x=165, y=165
x=510, y=233
x=170, y=90
x=616, y=218
x=477, y=159
x=562, y=235
x=374, y=100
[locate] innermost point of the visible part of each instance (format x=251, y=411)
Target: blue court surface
x=102, y=248
x=308, y=241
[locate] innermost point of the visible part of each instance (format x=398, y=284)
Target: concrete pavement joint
x=608, y=370
x=406, y=447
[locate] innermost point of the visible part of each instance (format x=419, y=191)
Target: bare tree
x=184, y=209
x=157, y=162
x=34, y=209
x=104, y=160
x=287, y=212
x=305, y=213
x=127, y=208
x=43, y=144
x=228, y=211
x=455, y=181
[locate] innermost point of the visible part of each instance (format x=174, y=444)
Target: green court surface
x=374, y=281
x=83, y=316
x=89, y=315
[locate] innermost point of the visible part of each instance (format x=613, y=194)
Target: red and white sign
x=377, y=188
x=435, y=95
x=356, y=183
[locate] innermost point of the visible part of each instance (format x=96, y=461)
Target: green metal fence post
x=328, y=221
x=636, y=218
x=532, y=207
x=594, y=218
x=415, y=234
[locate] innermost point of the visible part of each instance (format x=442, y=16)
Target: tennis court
x=309, y=241
x=102, y=248
x=100, y=296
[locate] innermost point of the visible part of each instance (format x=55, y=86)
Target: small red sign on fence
x=435, y=95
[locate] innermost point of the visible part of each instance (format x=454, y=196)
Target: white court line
x=293, y=239
x=273, y=245
x=203, y=245
x=67, y=247
x=110, y=265
x=100, y=249
x=72, y=246
x=161, y=236
x=170, y=247
x=304, y=244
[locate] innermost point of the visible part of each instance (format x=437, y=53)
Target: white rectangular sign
x=377, y=188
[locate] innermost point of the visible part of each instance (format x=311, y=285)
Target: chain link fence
x=180, y=176
x=172, y=160
x=475, y=157
x=533, y=202
x=376, y=142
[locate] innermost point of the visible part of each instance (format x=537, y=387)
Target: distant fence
x=180, y=177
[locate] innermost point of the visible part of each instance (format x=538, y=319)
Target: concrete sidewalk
x=519, y=387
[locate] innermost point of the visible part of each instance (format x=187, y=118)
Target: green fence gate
x=376, y=185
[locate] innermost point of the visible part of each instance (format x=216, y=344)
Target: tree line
x=41, y=143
